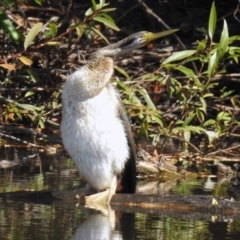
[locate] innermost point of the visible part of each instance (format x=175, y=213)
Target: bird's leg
x=102, y=197
x=112, y=189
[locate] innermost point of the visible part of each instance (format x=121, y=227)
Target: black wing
x=128, y=176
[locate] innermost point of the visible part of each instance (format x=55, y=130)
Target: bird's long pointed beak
x=149, y=36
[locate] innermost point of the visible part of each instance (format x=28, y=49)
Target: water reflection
x=111, y=225
x=62, y=220
x=58, y=221
x=98, y=226
x=36, y=171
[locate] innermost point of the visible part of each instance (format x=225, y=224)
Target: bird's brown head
x=134, y=41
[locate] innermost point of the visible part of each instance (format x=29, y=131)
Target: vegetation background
x=184, y=88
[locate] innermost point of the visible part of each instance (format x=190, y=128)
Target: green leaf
x=79, y=31
x=105, y=15
x=19, y=115
x=123, y=72
x=200, y=115
x=179, y=56
x=145, y=127
x=134, y=99
x=198, y=83
x=223, y=116
x=234, y=53
x=201, y=45
x=8, y=27
x=234, y=49
x=131, y=94
x=94, y=5
x=148, y=100
x=204, y=104
x=39, y=2
x=194, y=129
x=29, y=93
x=179, y=122
x=108, y=9
x=212, y=21
x=93, y=9
x=123, y=86
x=212, y=65
x=106, y=22
x=222, y=48
x=207, y=95
x=224, y=41
x=186, y=135
x=227, y=93
x=156, y=118
x=53, y=29
x=100, y=34
x=30, y=107
x=102, y=2
x=209, y=122
x=33, y=76
x=41, y=123
x=32, y=34
x=189, y=118
x=186, y=71
x=234, y=38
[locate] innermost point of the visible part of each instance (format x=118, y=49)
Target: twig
x=224, y=151
x=234, y=77
x=182, y=140
x=125, y=13
x=19, y=140
x=35, y=89
x=221, y=159
x=227, y=108
x=236, y=11
x=150, y=12
x=23, y=7
x=29, y=131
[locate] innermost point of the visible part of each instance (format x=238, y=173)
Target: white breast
x=94, y=136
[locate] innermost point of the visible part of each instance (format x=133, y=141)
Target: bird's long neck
x=88, y=81
x=101, y=71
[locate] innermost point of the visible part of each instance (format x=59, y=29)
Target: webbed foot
x=103, y=197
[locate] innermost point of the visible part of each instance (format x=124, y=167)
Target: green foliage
x=198, y=93
x=45, y=34
x=200, y=111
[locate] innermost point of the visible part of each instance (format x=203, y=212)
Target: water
x=33, y=221
x=63, y=220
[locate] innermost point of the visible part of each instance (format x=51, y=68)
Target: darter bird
x=95, y=130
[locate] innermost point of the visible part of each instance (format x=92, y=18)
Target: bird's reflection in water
x=105, y=225
x=99, y=225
